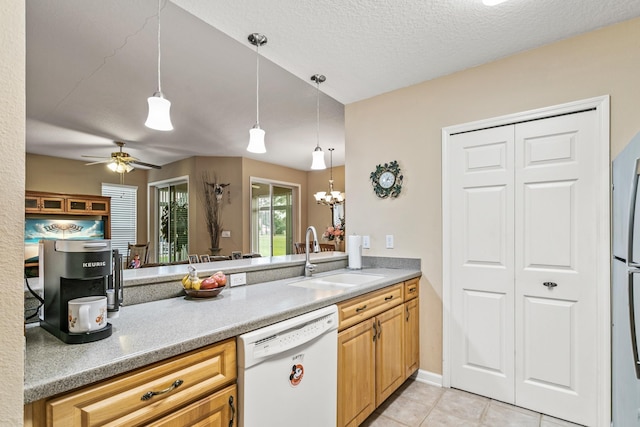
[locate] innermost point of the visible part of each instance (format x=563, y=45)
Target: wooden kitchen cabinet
x=371, y=361
x=356, y=360
x=88, y=206
x=197, y=388
x=44, y=203
x=411, y=327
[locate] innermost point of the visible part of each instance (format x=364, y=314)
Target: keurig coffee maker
x=73, y=269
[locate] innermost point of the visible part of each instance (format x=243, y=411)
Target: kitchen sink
x=336, y=281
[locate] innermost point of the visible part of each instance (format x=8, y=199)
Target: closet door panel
x=555, y=266
x=482, y=262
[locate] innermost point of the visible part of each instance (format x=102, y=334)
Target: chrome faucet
x=308, y=267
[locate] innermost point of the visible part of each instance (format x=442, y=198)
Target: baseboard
x=429, y=378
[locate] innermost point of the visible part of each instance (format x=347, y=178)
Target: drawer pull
x=359, y=309
x=412, y=290
x=148, y=395
x=233, y=411
x=390, y=297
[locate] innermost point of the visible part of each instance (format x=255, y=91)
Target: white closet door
x=482, y=264
x=555, y=266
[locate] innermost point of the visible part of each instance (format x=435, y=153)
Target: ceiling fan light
x=317, y=162
x=256, y=140
x=159, y=117
x=113, y=166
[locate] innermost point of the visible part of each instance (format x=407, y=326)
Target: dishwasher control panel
x=286, y=340
x=291, y=333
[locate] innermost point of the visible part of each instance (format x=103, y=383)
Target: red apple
x=208, y=283
x=220, y=278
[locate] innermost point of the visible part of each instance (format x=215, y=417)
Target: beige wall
x=12, y=128
x=405, y=125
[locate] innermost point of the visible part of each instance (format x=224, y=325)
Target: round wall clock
x=387, y=180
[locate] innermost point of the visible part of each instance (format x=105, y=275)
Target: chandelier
x=332, y=197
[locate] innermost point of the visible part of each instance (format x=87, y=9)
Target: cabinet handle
x=233, y=411
x=390, y=297
x=375, y=331
x=407, y=309
x=412, y=290
x=550, y=284
x=148, y=395
x=359, y=309
x=379, y=330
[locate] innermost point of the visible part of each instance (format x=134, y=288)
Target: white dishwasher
x=287, y=372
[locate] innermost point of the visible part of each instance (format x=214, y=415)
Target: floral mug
x=87, y=314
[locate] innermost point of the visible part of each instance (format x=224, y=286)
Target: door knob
x=550, y=284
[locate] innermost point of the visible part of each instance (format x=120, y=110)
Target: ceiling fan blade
x=148, y=165
x=97, y=163
x=96, y=157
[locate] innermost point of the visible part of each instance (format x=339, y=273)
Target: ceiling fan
x=121, y=162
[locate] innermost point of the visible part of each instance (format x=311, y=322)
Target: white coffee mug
x=87, y=314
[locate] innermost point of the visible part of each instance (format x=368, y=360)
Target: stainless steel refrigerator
x=625, y=288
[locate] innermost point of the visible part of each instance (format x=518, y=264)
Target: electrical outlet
x=389, y=241
x=226, y=233
x=366, y=243
x=238, y=279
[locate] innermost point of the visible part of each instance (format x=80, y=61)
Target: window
x=124, y=206
x=272, y=218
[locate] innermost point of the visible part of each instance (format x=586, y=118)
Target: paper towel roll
x=354, y=249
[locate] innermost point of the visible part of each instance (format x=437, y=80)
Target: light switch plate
x=238, y=279
x=366, y=243
x=226, y=233
x=389, y=241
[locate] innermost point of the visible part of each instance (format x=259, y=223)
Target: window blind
x=124, y=205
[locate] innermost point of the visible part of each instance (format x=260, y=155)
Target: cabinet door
x=390, y=369
x=411, y=337
x=356, y=373
x=216, y=410
x=44, y=204
x=97, y=207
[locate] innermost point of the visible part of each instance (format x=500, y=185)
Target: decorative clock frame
x=387, y=180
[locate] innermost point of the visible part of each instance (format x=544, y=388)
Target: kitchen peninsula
x=164, y=327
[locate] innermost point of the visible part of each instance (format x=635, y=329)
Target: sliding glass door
x=272, y=218
x=173, y=220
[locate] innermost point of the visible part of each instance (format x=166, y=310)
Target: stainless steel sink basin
x=336, y=281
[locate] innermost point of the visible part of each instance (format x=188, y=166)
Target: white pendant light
x=256, y=134
x=159, y=117
x=317, y=157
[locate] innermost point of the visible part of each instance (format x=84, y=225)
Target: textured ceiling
x=91, y=64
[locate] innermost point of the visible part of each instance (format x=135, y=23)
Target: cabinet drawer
x=119, y=401
x=411, y=289
x=358, y=309
x=216, y=410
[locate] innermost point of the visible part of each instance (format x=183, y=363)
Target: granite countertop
x=153, y=331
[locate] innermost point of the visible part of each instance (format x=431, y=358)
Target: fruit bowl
x=203, y=293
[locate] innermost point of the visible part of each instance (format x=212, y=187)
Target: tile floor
x=416, y=404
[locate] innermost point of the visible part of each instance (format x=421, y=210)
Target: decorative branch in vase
x=211, y=192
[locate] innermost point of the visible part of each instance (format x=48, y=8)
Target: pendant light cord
x=257, y=84
x=159, y=54
x=318, y=113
